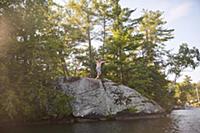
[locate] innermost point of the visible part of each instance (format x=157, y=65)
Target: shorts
x=98, y=69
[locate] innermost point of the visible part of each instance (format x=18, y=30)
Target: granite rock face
x=93, y=97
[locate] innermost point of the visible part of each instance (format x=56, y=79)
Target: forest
x=41, y=41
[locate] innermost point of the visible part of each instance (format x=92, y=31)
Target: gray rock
x=104, y=98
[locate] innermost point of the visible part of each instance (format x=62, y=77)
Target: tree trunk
x=121, y=65
x=90, y=46
x=104, y=35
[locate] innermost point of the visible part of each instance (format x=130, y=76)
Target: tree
x=121, y=43
x=187, y=90
x=154, y=37
x=103, y=10
x=147, y=72
x=81, y=15
x=32, y=62
x=185, y=58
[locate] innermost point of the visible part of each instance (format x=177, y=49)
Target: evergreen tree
x=81, y=15
x=103, y=10
x=154, y=37
x=32, y=62
x=148, y=77
x=121, y=43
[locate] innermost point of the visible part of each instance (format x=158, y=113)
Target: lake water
x=179, y=121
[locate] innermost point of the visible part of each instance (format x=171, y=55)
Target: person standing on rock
x=99, y=62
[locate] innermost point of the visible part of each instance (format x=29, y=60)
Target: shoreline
x=72, y=120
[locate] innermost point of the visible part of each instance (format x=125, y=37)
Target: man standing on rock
x=99, y=62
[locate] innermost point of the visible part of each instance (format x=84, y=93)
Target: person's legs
x=98, y=72
x=97, y=76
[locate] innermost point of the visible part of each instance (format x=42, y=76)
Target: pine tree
x=154, y=36
x=103, y=15
x=81, y=15
x=148, y=77
x=121, y=43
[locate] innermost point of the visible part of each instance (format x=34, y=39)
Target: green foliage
x=10, y=104
x=40, y=41
x=120, y=44
x=33, y=60
x=82, y=14
x=186, y=92
x=29, y=106
x=60, y=105
x=154, y=36
x=135, y=57
x=186, y=57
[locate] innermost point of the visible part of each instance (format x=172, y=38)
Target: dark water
x=180, y=121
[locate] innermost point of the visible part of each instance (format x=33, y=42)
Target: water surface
x=179, y=121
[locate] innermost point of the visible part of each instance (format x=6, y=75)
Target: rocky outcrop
x=105, y=98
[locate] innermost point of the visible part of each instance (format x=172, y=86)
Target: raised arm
x=103, y=62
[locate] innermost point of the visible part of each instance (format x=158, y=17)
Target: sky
x=181, y=15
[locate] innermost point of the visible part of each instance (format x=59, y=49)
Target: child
x=98, y=67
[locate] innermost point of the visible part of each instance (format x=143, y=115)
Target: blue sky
x=181, y=15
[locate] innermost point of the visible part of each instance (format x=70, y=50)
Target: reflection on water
x=186, y=121
x=180, y=121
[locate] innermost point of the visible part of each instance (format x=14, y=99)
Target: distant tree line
x=186, y=93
